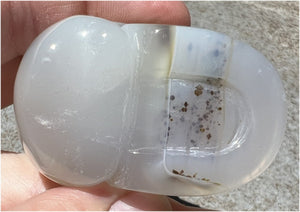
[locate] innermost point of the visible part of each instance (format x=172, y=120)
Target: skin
x=23, y=187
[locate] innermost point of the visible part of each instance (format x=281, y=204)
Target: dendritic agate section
x=162, y=109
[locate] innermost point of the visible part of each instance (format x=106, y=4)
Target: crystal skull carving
x=155, y=108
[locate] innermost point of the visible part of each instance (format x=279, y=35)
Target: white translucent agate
x=155, y=108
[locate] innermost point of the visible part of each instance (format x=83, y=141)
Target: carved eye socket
x=188, y=110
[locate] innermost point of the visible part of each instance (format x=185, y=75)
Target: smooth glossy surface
x=161, y=109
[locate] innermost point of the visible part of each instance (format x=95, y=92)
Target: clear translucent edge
x=160, y=109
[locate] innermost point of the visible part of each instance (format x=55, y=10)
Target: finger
x=24, y=188
x=20, y=180
x=8, y=75
x=21, y=22
x=159, y=12
x=100, y=197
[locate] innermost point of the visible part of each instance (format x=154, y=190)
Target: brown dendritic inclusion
x=194, y=176
x=195, y=113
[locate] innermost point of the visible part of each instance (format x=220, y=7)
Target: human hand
x=23, y=187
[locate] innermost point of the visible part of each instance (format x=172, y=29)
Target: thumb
x=100, y=197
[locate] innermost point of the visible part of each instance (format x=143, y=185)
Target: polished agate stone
x=155, y=108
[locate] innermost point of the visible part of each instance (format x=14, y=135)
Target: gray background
x=273, y=29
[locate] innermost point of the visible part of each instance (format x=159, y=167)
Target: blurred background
x=273, y=29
